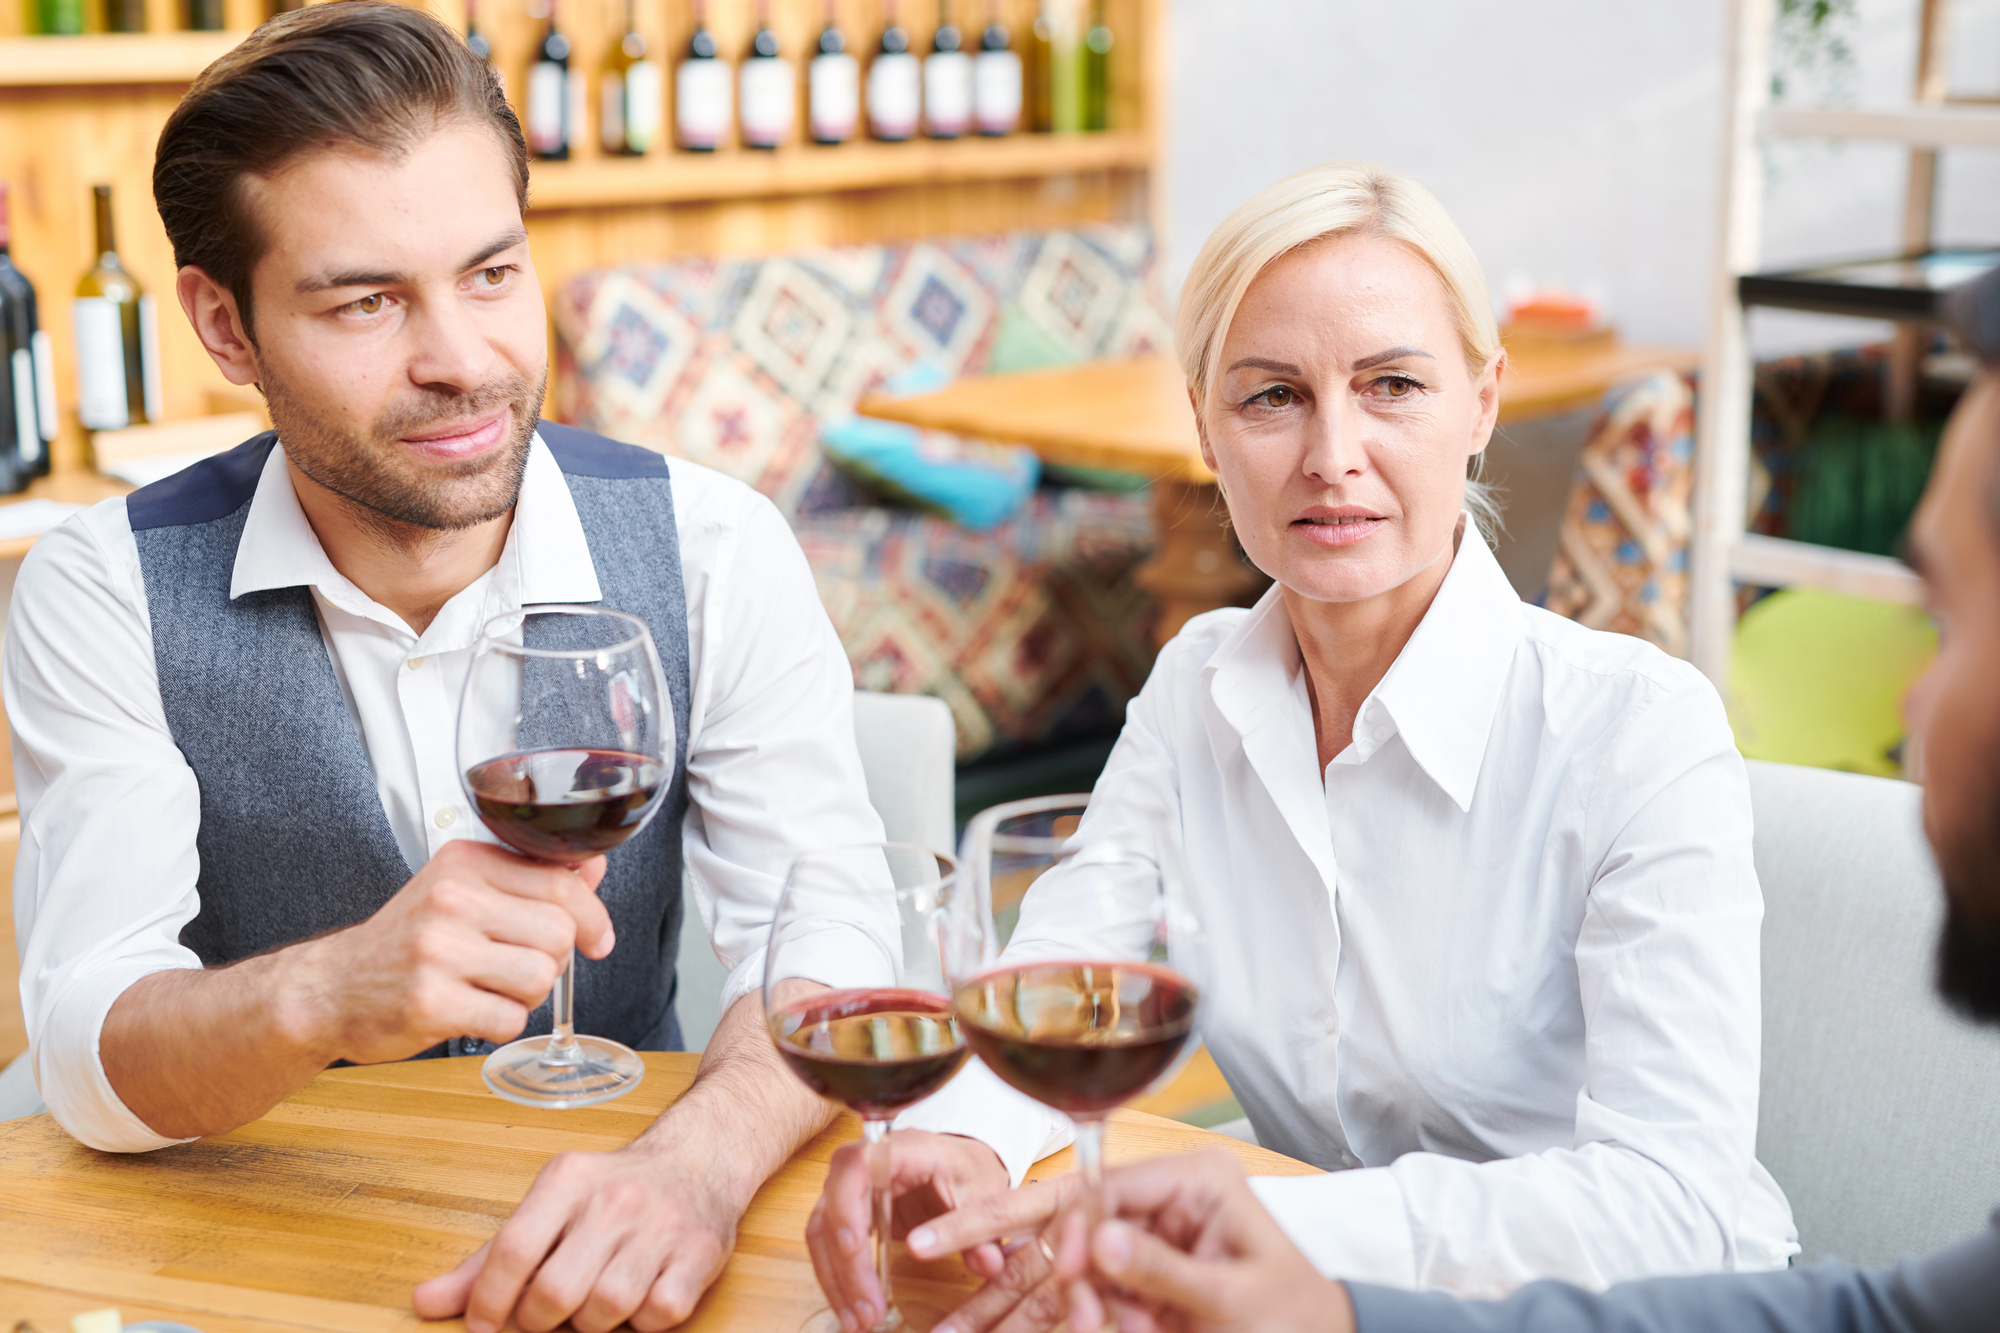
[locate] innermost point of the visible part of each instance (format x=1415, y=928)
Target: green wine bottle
x=1097, y=70
x=117, y=350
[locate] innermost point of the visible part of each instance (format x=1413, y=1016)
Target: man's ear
x=211, y=308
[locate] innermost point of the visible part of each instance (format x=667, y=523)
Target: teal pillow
x=974, y=484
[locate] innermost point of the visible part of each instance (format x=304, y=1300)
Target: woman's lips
x=1337, y=531
x=459, y=440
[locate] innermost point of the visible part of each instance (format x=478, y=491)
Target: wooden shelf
x=110, y=58
x=671, y=176
x=1773, y=562
x=83, y=488
x=1914, y=126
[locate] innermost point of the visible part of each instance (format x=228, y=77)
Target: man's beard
x=388, y=490
x=1968, y=968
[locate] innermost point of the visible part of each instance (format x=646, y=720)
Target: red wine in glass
x=1082, y=1037
x=564, y=805
x=875, y=1051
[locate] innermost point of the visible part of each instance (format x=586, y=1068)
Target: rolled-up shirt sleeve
x=773, y=771
x=105, y=877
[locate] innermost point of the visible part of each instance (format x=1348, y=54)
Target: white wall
x=1574, y=140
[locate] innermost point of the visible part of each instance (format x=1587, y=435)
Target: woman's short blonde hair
x=1339, y=198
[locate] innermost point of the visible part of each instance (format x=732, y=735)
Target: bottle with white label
x=947, y=80
x=552, y=126
x=833, y=85
x=702, y=97
x=769, y=102
x=895, y=79
x=28, y=374
x=630, y=95
x=117, y=343
x=996, y=79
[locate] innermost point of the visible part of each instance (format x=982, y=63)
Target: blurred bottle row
x=117, y=353
x=965, y=84
x=69, y=18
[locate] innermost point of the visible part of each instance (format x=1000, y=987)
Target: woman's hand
x=930, y=1174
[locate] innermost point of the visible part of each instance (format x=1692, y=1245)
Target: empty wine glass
x=856, y=998
x=1075, y=977
x=566, y=747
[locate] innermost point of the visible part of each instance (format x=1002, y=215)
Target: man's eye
x=493, y=277
x=368, y=305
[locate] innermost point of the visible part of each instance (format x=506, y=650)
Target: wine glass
x=565, y=747
x=1076, y=975
x=856, y=999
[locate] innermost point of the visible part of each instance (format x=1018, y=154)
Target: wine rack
x=79, y=110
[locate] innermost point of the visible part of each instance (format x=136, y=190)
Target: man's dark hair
x=357, y=73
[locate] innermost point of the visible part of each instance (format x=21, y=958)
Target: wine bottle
x=947, y=80
x=59, y=18
x=1096, y=109
x=631, y=96
x=769, y=100
x=117, y=344
x=475, y=40
x=996, y=78
x=30, y=376
x=833, y=85
x=702, y=90
x=1041, y=72
x=277, y=7
x=124, y=15
x=894, y=82
x=204, y=15
x=551, y=128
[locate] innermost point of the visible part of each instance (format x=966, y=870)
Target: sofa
x=1032, y=631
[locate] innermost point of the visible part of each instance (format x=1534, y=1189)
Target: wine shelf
x=669, y=176
x=110, y=58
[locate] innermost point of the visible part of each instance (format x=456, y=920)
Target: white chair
x=1881, y=1108
x=909, y=747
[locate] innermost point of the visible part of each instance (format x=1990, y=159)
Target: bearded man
x=245, y=852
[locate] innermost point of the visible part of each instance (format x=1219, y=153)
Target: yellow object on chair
x=1819, y=679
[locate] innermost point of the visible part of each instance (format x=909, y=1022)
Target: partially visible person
x=246, y=853
x=1478, y=880
x=1193, y=1251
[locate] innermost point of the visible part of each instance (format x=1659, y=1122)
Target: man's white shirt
x=1496, y=967
x=109, y=808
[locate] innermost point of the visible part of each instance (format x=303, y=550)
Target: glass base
x=596, y=1070
x=826, y=1321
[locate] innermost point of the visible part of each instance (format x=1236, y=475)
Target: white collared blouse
x=1496, y=968
x=106, y=873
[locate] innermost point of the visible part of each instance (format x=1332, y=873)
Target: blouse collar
x=1440, y=695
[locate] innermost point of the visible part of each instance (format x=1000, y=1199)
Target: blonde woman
x=1479, y=879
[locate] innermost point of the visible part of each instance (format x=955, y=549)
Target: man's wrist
x=305, y=1017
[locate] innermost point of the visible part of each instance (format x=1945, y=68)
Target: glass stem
x=875, y=1134
x=1090, y=1161
x=562, y=1048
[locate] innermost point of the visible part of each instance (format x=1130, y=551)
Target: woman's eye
x=1278, y=395
x=1398, y=386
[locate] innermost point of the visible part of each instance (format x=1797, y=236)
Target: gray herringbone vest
x=293, y=839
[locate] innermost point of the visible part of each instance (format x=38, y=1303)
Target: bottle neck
x=107, y=246
x=6, y=224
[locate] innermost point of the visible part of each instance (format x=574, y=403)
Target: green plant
x=1809, y=46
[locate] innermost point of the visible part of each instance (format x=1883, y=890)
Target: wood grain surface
x=325, y=1213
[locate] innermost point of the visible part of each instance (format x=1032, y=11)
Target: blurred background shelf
x=673, y=177
x=1899, y=287
x=110, y=58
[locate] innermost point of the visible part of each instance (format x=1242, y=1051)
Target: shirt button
x=446, y=816
x=415, y=662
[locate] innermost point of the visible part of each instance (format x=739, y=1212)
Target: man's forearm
x=746, y=1113
x=200, y=1051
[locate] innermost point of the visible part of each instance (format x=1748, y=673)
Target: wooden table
x=324, y=1214
x=1133, y=416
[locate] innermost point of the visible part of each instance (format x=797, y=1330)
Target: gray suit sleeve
x=1955, y=1290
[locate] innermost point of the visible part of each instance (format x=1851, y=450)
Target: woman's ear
x=1201, y=430
x=1488, y=390
x=211, y=308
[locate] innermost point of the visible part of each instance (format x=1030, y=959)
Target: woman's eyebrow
x=1394, y=353
x=1264, y=363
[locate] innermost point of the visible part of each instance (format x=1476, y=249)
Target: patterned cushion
x=1030, y=630
x=1622, y=560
